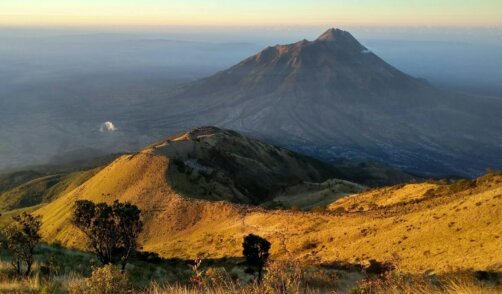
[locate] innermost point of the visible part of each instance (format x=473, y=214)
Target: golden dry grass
x=446, y=232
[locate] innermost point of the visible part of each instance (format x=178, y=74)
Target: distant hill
x=208, y=163
x=217, y=164
x=333, y=98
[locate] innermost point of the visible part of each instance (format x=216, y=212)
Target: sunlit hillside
x=418, y=227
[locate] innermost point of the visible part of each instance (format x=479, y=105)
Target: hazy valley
x=55, y=99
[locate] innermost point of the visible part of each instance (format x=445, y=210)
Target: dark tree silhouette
x=21, y=237
x=129, y=226
x=255, y=249
x=112, y=230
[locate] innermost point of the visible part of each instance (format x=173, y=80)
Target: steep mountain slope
x=418, y=227
x=333, y=98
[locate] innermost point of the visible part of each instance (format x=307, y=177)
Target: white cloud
x=107, y=127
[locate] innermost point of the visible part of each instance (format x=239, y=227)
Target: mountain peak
x=334, y=35
x=340, y=39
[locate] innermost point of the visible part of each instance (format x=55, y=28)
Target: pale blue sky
x=252, y=12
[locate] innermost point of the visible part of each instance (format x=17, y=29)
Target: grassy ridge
x=419, y=227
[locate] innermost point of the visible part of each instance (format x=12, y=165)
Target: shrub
x=21, y=237
x=112, y=230
x=379, y=268
x=105, y=280
x=51, y=267
x=255, y=250
x=218, y=277
x=461, y=185
x=150, y=257
x=52, y=287
x=197, y=278
x=283, y=277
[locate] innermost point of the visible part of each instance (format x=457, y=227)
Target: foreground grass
x=60, y=270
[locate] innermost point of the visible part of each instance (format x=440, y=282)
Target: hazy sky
x=251, y=12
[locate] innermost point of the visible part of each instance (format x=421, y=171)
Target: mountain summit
x=334, y=67
x=340, y=38
x=333, y=98
x=333, y=34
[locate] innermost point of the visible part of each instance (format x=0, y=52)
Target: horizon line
x=237, y=26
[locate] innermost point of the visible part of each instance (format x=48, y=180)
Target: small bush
x=486, y=276
x=105, y=280
x=218, y=277
x=256, y=251
x=283, y=277
x=21, y=237
x=51, y=267
x=461, y=185
x=52, y=287
x=379, y=268
x=150, y=257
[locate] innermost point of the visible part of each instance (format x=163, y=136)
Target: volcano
x=334, y=98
